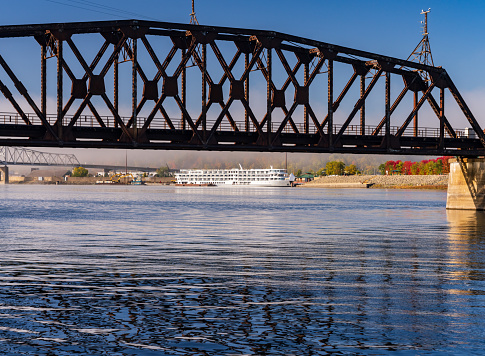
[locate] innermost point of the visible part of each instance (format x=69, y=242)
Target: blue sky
x=387, y=27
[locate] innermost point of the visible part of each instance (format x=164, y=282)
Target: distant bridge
x=27, y=157
x=232, y=67
x=23, y=156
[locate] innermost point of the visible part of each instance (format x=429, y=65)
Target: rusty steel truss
x=278, y=110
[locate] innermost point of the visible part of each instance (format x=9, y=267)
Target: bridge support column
x=466, y=184
x=4, y=175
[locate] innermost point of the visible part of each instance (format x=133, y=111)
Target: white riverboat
x=270, y=177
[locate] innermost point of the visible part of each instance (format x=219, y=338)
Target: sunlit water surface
x=145, y=270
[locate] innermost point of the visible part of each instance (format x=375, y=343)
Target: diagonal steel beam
x=161, y=67
x=200, y=64
x=465, y=109
x=188, y=118
x=154, y=111
x=116, y=116
x=23, y=91
x=8, y=95
x=222, y=61
x=337, y=102
x=231, y=66
x=316, y=70
x=96, y=115
x=359, y=104
x=88, y=74
x=393, y=107
x=436, y=109
x=257, y=52
x=185, y=59
x=284, y=122
x=219, y=119
x=251, y=116
x=288, y=70
x=315, y=120
x=273, y=87
x=415, y=110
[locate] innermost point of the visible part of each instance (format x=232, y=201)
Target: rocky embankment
x=380, y=181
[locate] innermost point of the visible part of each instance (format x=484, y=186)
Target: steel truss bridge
x=23, y=156
x=212, y=88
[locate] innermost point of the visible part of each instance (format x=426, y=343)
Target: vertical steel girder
x=134, y=90
x=442, y=115
x=183, y=91
x=388, y=109
x=265, y=52
x=362, y=109
x=59, y=87
x=330, y=104
x=43, y=79
x=269, y=109
x=415, y=119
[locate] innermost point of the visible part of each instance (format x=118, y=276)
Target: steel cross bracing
x=214, y=88
x=24, y=156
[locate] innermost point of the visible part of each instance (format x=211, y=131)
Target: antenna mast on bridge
x=422, y=52
x=193, y=19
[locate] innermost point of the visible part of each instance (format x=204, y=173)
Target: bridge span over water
x=157, y=85
x=13, y=156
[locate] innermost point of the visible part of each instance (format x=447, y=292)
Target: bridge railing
x=91, y=121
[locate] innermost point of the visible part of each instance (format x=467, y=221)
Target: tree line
x=439, y=165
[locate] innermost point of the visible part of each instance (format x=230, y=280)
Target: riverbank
x=84, y=180
x=380, y=181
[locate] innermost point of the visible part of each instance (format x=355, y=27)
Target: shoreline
x=430, y=182
x=437, y=182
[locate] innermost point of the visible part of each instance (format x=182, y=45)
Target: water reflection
x=207, y=272
x=467, y=238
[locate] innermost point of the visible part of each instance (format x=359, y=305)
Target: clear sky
x=387, y=27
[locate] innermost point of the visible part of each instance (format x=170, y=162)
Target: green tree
x=352, y=170
x=163, y=172
x=298, y=173
x=382, y=168
x=415, y=168
x=439, y=166
x=80, y=172
x=321, y=171
x=433, y=167
x=335, y=168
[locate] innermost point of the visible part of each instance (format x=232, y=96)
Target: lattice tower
x=422, y=52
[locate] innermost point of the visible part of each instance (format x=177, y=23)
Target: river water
x=144, y=270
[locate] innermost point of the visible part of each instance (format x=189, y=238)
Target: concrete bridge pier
x=4, y=175
x=466, y=184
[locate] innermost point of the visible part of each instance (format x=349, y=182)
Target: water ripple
x=163, y=270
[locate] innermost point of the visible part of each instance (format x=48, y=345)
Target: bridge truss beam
x=297, y=75
x=24, y=156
